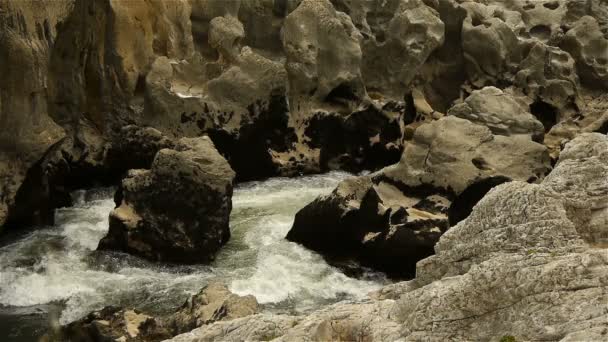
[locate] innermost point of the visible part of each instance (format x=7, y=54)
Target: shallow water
x=55, y=273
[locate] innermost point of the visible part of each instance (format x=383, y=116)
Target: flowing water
x=54, y=274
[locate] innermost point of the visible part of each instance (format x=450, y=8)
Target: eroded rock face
x=394, y=217
x=179, y=209
x=260, y=77
x=526, y=250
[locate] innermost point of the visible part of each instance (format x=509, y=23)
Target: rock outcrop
x=213, y=303
x=179, y=209
x=529, y=263
x=282, y=88
x=392, y=218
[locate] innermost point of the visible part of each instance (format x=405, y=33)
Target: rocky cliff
x=282, y=87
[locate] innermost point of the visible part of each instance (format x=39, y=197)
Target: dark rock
x=179, y=209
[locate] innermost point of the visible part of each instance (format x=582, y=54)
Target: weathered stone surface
x=394, y=217
x=316, y=69
x=135, y=147
x=179, y=209
x=499, y=111
x=589, y=47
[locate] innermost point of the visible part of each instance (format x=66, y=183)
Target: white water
x=58, y=264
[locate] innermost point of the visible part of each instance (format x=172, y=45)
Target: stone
x=499, y=111
x=589, y=47
x=399, y=38
x=213, y=303
x=193, y=224
x=135, y=147
x=316, y=69
x=392, y=218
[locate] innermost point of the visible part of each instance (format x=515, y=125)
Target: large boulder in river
x=392, y=218
x=178, y=210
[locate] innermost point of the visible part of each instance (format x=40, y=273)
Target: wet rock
x=393, y=218
x=176, y=211
x=500, y=112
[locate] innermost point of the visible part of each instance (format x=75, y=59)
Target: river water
x=54, y=275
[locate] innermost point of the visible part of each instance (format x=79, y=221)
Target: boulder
x=178, y=210
x=392, y=218
x=499, y=111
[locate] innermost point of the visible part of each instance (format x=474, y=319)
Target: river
x=53, y=275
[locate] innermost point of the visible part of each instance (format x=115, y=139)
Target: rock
x=489, y=41
x=316, y=69
x=27, y=35
x=500, y=112
x=522, y=266
x=589, y=47
x=135, y=147
x=398, y=37
x=112, y=324
x=393, y=218
x=213, y=303
x=190, y=227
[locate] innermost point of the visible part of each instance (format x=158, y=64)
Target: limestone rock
x=587, y=44
x=193, y=224
x=393, y=218
x=112, y=324
x=399, y=37
x=316, y=68
x=500, y=112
